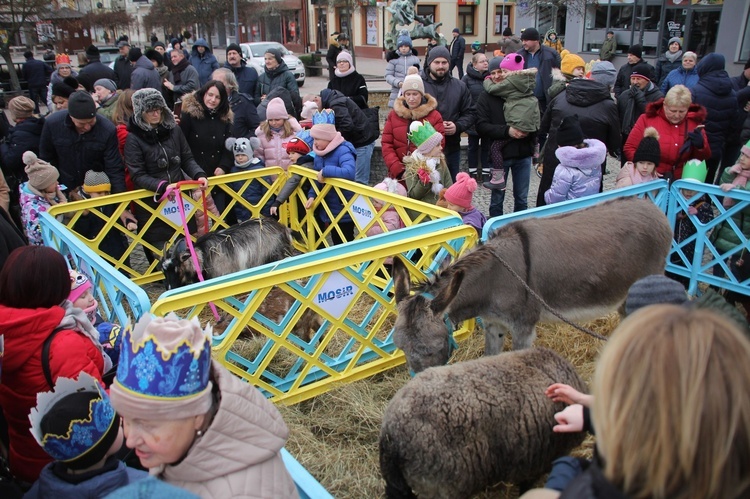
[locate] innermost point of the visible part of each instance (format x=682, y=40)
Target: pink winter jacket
x=272, y=151
x=239, y=455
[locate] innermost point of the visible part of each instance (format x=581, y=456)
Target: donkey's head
x=420, y=329
x=176, y=264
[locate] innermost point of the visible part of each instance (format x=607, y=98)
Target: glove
x=696, y=139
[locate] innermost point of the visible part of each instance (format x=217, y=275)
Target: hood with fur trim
x=420, y=112
x=587, y=160
x=195, y=109
x=149, y=98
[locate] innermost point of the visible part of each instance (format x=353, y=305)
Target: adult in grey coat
x=144, y=73
x=185, y=77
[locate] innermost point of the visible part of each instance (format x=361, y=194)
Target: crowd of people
x=161, y=116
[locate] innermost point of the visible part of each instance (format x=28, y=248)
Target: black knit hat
x=277, y=54
x=160, y=44
x=81, y=105
x=92, y=51
x=569, y=132
x=636, y=50
x=65, y=88
x=134, y=54
x=235, y=47
x=153, y=55
x=648, y=149
x=507, y=32
x=654, y=290
x=530, y=34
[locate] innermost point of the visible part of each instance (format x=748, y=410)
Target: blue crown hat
x=306, y=137
x=162, y=360
x=88, y=425
x=324, y=117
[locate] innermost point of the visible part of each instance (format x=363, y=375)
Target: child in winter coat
x=580, y=171
x=77, y=426
x=277, y=130
x=299, y=149
x=82, y=297
x=397, y=67
x=38, y=195
x=458, y=198
x=521, y=107
x=425, y=169
x=243, y=162
x=390, y=217
x=334, y=158
x=643, y=167
x=551, y=40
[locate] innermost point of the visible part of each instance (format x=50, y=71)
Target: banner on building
x=372, y=26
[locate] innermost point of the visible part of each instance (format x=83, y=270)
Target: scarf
x=673, y=57
x=337, y=141
x=341, y=74
x=178, y=69
x=75, y=319
x=740, y=181
x=57, y=198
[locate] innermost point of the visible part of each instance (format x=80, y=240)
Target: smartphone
x=178, y=108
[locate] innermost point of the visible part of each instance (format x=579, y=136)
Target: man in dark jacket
x=247, y=76
x=631, y=104
x=458, y=49
x=94, y=69
x=122, y=65
x=36, y=73
x=144, y=73
x=476, y=71
x=246, y=118
x=358, y=126
x=79, y=139
x=491, y=125
x=454, y=104
x=635, y=56
x=541, y=57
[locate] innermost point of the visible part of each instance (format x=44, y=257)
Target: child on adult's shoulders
x=643, y=167
x=458, y=198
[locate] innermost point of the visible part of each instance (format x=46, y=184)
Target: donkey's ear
x=401, y=279
x=446, y=296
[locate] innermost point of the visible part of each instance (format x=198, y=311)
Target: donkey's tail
x=390, y=467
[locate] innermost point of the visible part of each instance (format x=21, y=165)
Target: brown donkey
x=581, y=263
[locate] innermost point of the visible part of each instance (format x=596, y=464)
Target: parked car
x=254, y=52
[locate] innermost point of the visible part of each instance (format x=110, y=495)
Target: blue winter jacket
x=339, y=163
x=714, y=92
x=680, y=77
x=254, y=192
x=579, y=172
x=112, y=476
x=205, y=64
x=247, y=77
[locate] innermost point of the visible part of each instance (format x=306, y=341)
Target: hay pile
x=335, y=435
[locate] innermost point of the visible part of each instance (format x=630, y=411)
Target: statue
x=403, y=14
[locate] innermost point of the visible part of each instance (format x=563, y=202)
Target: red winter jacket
x=394, y=143
x=22, y=377
x=671, y=137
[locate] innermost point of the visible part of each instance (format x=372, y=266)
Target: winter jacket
x=511, y=45
x=724, y=237
x=396, y=71
x=579, y=172
x=680, y=76
x=458, y=50
x=454, y=104
x=557, y=45
x=107, y=108
x=206, y=63
x=671, y=137
x=353, y=86
x=664, y=66
x=95, y=70
x=253, y=193
x=395, y=143
x=246, y=118
x=631, y=104
x=145, y=75
x=56, y=78
x=93, y=484
x=282, y=77
x=339, y=161
x=521, y=106
x=189, y=81
x=272, y=150
x=390, y=218
x=420, y=191
x=544, y=60
x=360, y=127
x=70, y=353
x=629, y=175
x=334, y=49
x=74, y=154
x=206, y=132
x=597, y=114
x=474, y=218
x=714, y=92
x=124, y=70
x=25, y=136
x=622, y=82
x=473, y=80
x=308, y=161
x=32, y=206
x=36, y=73
x=239, y=454
x=609, y=47
x=491, y=125
x=247, y=77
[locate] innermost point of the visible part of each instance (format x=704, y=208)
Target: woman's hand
x=219, y=171
x=515, y=133
x=560, y=392
x=570, y=419
x=204, y=183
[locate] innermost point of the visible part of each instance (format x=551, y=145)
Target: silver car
x=254, y=52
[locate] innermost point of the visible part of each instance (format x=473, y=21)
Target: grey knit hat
x=604, y=72
x=148, y=99
x=106, y=83
x=494, y=64
x=654, y=290
x=439, y=51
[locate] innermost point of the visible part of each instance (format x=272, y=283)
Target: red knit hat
x=297, y=145
x=462, y=191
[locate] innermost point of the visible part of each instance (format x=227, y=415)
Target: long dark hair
x=34, y=277
x=223, y=107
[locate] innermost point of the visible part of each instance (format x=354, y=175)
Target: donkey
x=254, y=242
x=581, y=263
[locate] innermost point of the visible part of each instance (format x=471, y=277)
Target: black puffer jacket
x=73, y=153
x=206, y=133
x=353, y=86
x=597, y=114
x=246, y=118
x=283, y=77
x=714, y=92
x=473, y=80
x=454, y=104
x=356, y=125
x=23, y=137
x=491, y=125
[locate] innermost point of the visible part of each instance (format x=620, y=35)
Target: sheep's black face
x=421, y=334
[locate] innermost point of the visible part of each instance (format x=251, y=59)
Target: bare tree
x=577, y=7
x=16, y=15
x=205, y=13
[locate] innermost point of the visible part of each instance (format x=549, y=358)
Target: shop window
x=596, y=16
x=290, y=20
x=502, y=18
x=621, y=16
x=466, y=19
x=745, y=49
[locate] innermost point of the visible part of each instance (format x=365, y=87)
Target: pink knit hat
x=79, y=284
x=512, y=62
x=276, y=110
x=462, y=191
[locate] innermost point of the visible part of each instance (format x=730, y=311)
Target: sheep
x=453, y=431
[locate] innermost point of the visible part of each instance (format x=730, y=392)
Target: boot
x=497, y=181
